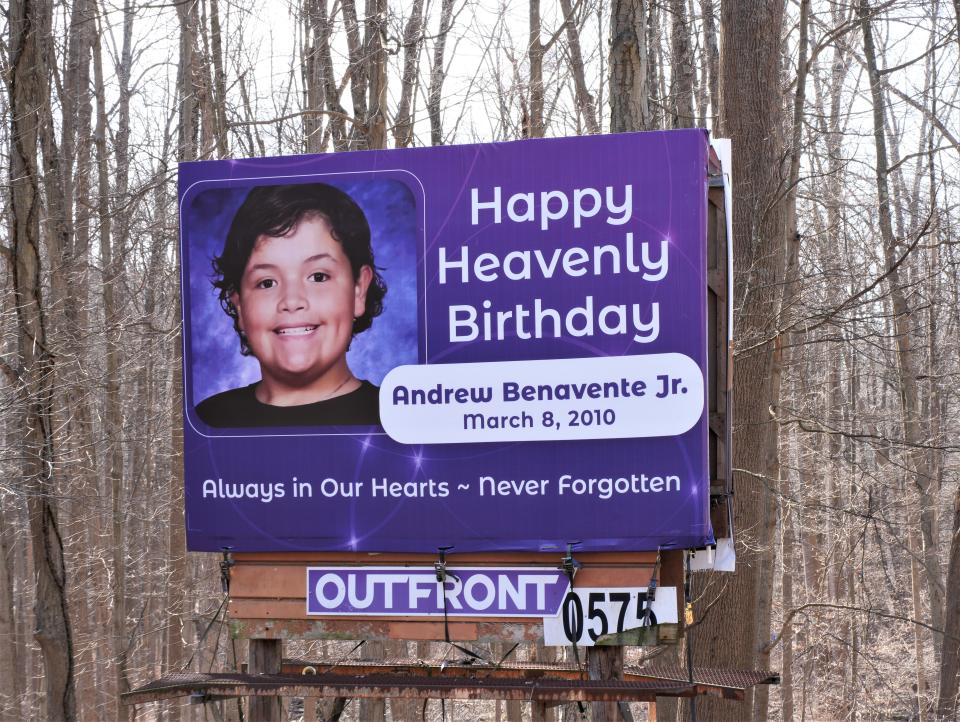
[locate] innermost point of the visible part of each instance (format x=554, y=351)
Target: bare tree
x=751, y=115
x=376, y=58
x=682, y=70
x=412, y=39
x=585, y=101
x=438, y=73
x=949, y=687
x=629, y=68
x=176, y=589
x=33, y=372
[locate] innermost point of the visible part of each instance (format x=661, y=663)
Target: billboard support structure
x=649, y=345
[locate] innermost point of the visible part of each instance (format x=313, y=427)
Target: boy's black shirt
x=239, y=408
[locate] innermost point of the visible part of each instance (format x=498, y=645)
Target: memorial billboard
x=496, y=347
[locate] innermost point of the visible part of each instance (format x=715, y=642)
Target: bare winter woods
x=846, y=129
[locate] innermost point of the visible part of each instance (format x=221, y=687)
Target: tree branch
x=788, y=620
x=290, y=116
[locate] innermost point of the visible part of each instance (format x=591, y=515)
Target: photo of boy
x=297, y=276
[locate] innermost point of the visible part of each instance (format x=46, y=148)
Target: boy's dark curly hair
x=275, y=211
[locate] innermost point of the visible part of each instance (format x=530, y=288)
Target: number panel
x=589, y=613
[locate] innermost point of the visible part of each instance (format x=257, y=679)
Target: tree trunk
x=786, y=684
x=629, y=67
x=219, y=82
x=782, y=358
x=358, y=74
x=585, y=102
x=751, y=116
x=681, y=79
x=711, y=54
x=313, y=86
x=947, y=700
x=438, y=73
x=11, y=690
x=187, y=81
x=113, y=417
x=376, y=74
x=74, y=372
x=656, y=81
x=629, y=111
x=176, y=584
x=535, y=52
x=323, y=61
x=412, y=37
x=908, y=366
x=917, y=610
x=34, y=377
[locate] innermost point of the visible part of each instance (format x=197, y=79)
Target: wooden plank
x=484, y=632
x=427, y=631
x=265, y=657
x=268, y=596
x=268, y=581
x=715, y=196
x=538, y=711
x=672, y=575
x=292, y=609
x=471, y=559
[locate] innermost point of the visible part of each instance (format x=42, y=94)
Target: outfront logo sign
x=416, y=592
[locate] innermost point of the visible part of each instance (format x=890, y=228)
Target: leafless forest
x=845, y=122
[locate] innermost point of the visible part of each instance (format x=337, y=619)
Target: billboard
x=496, y=347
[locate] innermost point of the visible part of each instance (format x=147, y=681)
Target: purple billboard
x=496, y=347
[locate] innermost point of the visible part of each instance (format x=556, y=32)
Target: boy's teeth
x=296, y=331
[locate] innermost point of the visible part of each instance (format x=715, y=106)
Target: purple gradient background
x=668, y=173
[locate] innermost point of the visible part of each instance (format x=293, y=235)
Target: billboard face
x=499, y=347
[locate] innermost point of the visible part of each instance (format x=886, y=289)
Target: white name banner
x=609, y=397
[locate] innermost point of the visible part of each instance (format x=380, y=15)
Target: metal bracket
x=225, y=565
x=440, y=566
x=568, y=564
x=651, y=593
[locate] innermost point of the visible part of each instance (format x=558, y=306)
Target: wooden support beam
x=605, y=664
x=265, y=657
x=538, y=711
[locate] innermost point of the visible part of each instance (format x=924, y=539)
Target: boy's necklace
x=343, y=383
x=329, y=396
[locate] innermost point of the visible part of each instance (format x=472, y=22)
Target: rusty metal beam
x=434, y=668
x=547, y=683
x=703, y=676
x=405, y=687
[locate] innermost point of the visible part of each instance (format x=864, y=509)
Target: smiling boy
x=297, y=276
